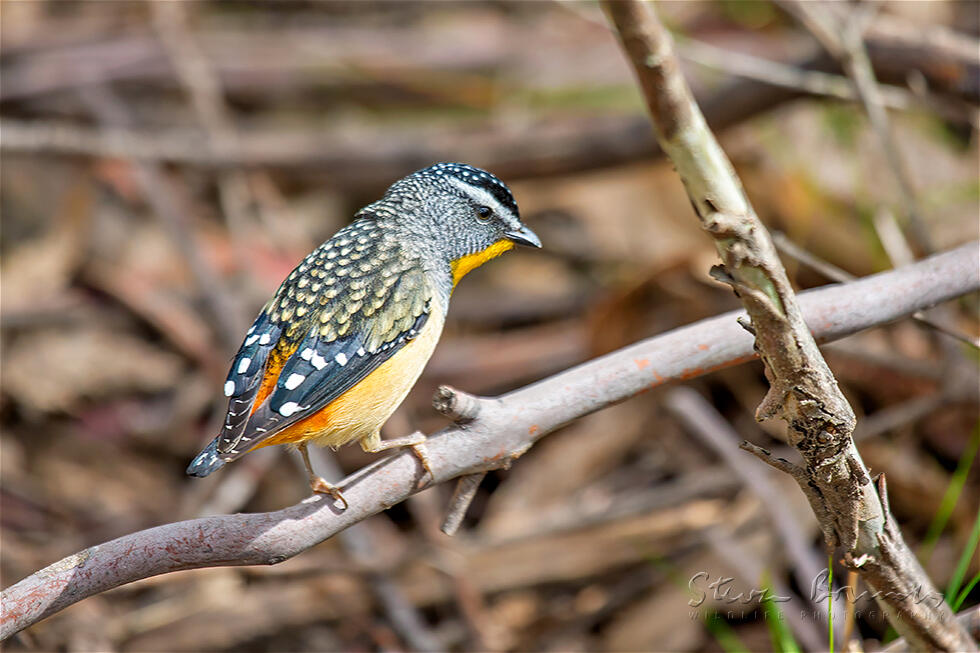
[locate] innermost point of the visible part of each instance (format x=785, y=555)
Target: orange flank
x=462, y=266
x=641, y=363
x=271, y=375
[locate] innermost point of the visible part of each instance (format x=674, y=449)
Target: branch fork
x=462, y=408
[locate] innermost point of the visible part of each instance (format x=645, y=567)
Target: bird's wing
x=246, y=373
x=337, y=340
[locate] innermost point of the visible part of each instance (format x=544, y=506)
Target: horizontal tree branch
x=504, y=428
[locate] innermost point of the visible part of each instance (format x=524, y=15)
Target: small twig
x=457, y=405
x=881, y=487
x=463, y=495
x=461, y=408
x=766, y=456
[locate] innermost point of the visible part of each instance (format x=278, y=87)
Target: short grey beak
x=523, y=236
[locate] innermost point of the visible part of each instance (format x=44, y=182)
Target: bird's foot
x=320, y=486
x=416, y=441
x=423, y=455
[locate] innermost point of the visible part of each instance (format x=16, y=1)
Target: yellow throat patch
x=463, y=265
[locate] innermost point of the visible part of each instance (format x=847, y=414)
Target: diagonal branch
x=803, y=390
x=503, y=429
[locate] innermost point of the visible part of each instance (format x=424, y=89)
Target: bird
x=346, y=336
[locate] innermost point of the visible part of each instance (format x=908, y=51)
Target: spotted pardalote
x=336, y=350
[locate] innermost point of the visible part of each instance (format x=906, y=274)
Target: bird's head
x=465, y=214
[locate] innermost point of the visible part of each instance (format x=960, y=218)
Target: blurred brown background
x=165, y=167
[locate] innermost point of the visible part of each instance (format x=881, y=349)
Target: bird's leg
x=373, y=444
x=317, y=483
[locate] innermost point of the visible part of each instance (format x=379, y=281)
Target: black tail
x=206, y=462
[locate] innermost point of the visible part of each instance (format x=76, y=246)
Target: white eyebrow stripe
x=486, y=198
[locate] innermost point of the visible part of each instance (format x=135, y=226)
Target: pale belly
x=361, y=411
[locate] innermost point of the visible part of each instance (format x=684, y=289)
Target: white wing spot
x=243, y=364
x=306, y=354
x=251, y=339
x=288, y=408
x=229, y=388
x=341, y=358
x=360, y=351
x=264, y=340
x=319, y=362
x=294, y=380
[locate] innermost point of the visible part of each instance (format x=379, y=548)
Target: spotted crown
x=474, y=177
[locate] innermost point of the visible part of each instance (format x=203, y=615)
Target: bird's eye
x=484, y=212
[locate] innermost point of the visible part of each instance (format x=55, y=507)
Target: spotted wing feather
x=245, y=376
x=342, y=316
x=241, y=388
